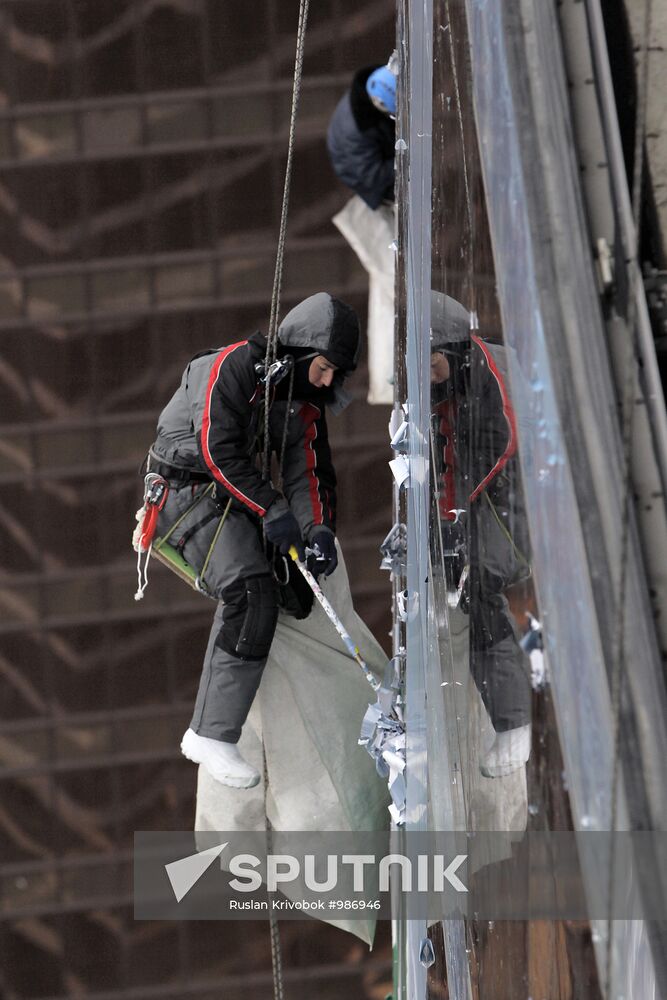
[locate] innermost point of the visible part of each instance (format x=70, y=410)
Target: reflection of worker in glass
x=482, y=518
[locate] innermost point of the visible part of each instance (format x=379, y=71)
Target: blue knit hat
x=381, y=88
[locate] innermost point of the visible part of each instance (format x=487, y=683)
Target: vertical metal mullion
x=446, y=779
x=399, y=924
x=419, y=79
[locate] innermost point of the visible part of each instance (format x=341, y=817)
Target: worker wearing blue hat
x=362, y=135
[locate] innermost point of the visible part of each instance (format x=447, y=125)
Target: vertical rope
x=274, y=930
x=276, y=960
x=271, y=340
x=271, y=343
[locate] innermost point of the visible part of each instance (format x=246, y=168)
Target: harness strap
x=213, y=543
x=198, y=500
x=185, y=538
x=174, y=473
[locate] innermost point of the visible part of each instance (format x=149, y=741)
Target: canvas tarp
x=372, y=234
x=308, y=711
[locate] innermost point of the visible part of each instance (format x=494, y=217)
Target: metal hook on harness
x=276, y=371
x=276, y=575
x=156, y=491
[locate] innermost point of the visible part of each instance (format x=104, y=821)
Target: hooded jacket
x=361, y=143
x=211, y=425
x=479, y=448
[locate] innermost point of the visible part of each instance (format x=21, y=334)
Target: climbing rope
x=274, y=930
x=276, y=960
x=627, y=413
x=271, y=350
x=272, y=337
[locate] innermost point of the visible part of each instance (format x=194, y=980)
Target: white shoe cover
x=510, y=751
x=222, y=760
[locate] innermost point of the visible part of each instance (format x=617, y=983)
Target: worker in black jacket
x=482, y=517
x=211, y=433
x=362, y=135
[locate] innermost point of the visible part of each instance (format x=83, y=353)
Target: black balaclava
x=302, y=388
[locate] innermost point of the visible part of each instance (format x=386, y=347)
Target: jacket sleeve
x=225, y=423
x=309, y=478
x=357, y=157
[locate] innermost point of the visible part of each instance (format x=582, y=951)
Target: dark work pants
x=499, y=666
x=229, y=680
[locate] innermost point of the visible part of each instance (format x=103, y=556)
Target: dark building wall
x=142, y=152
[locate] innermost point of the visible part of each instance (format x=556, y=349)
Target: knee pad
x=490, y=623
x=249, y=617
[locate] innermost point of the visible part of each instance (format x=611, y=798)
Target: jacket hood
x=325, y=325
x=450, y=322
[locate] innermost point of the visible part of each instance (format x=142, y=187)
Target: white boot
x=222, y=760
x=509, y=751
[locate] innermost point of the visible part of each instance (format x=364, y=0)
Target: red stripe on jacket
x=508, y=413
x=309, y=414
x=206, y=427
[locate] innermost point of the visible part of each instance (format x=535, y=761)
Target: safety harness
x=163, y=548
x=163, y=476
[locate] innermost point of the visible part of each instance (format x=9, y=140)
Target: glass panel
x=16, y=451
x=29, y=748
x=77, y=742
x=172, y=41
x=244, y=272
x=52, y=297
x=10, y=298
x=238, y=35
x=319, y=102
x=152, y=734
x=118, y=442
x=25, y=890
x=108, y=60
x=67, y=447
x=184, y=281
x=5, y=139
x=494, y=757
x=120, y=290
x=311, y=266
x=44, y=26
x=111, y=129
x=252, y=114
x=85, y=594
x=86, y=882
x=181, y=122
x=45, y=135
